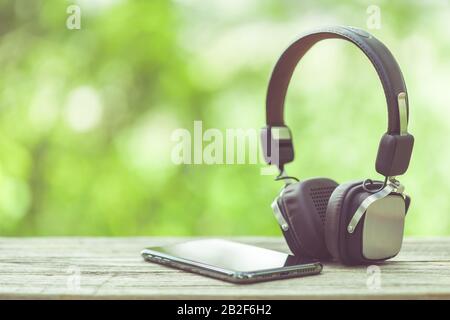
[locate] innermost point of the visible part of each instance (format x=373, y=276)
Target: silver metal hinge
x=403, y=113
x=278, y=215
x=393, y=185
x=280, y=133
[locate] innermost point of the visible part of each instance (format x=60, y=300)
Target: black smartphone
x=232, y=261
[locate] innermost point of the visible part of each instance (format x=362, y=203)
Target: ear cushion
x=333, y=218
x=304, y=206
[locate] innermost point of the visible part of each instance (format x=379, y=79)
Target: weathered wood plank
x=113, y=268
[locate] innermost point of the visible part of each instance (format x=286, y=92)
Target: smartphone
x=232, y=261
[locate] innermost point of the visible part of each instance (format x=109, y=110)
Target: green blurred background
x=86, y=116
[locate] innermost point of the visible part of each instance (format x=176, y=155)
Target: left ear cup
x=304, y=206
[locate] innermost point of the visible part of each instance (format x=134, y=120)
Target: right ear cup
x=378, y=235
x=303, y=205
x=334, y=222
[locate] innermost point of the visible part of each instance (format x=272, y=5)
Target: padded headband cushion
x=394, y=151
x=385, y=65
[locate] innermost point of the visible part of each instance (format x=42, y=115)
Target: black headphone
x=355, y=222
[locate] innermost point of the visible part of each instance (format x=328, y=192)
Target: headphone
x=358, y=222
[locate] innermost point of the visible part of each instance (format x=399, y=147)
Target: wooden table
x=99, y=268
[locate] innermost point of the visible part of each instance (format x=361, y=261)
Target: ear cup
x=304, y=206
x=350, y=248
x=333, y=219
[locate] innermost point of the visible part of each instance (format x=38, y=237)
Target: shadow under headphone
x=356, y=222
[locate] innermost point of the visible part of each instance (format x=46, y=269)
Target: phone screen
x=231, y=255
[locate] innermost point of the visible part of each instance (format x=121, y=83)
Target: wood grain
x=46, y=268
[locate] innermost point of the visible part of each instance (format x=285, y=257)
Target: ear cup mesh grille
x=320, y=197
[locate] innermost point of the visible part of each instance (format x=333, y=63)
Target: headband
x=396, y=145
